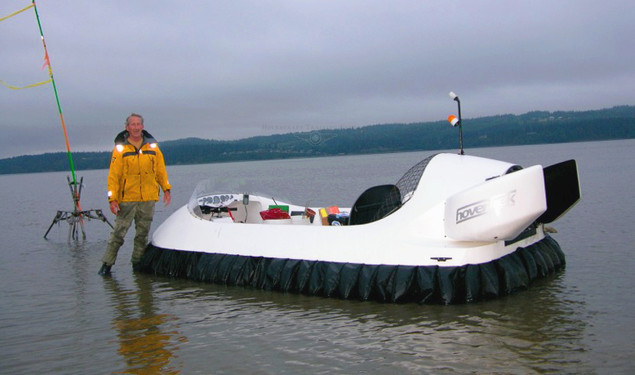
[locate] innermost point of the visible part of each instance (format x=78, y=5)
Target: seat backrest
x=374, y=204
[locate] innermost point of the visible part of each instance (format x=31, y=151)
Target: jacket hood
x=122, y=137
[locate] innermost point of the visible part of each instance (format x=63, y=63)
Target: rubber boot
x=104, y=270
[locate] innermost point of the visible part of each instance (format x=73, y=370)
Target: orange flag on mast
x=47, y=62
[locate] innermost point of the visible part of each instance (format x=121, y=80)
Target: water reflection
x=147, y=339
x=532, y=331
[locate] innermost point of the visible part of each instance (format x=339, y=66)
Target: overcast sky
x=234, y=69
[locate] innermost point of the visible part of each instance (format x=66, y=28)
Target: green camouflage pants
x=141, y=213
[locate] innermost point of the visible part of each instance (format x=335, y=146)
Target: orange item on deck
x=325, y=212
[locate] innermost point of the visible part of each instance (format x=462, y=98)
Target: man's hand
x=167, y=197
x=114, y=207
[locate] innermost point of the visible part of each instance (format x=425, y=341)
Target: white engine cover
x=497, y=209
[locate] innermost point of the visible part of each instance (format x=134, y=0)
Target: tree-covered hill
x=503, y=130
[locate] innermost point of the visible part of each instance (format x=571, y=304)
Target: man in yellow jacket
x=137, y=171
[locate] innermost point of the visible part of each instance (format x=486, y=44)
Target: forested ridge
x=503, y=130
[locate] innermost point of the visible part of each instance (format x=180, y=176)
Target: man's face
x=134, y=127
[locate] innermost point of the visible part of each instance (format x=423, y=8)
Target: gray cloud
x=228, y=70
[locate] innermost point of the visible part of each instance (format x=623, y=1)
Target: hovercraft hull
x=384, y=283
x=454, y=229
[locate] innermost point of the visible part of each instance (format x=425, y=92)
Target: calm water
x=58, y=316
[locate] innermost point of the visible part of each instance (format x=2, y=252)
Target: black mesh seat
x=374, y=204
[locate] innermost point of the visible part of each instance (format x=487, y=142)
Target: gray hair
x=134, y=115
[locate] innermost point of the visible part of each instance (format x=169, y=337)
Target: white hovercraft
x=453, y=229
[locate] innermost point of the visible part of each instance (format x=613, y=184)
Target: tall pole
x=77, y=215
x=460, y=127
x=57, y=99
x=454, y=121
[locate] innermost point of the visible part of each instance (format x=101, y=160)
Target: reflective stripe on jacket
x=136, y=175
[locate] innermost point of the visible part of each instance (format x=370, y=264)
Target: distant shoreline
x=538, y=127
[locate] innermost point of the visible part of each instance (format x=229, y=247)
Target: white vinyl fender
x=497, y=209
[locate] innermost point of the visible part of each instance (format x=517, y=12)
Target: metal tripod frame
x=76, y=217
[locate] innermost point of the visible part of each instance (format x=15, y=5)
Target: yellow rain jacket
x=136, y=175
